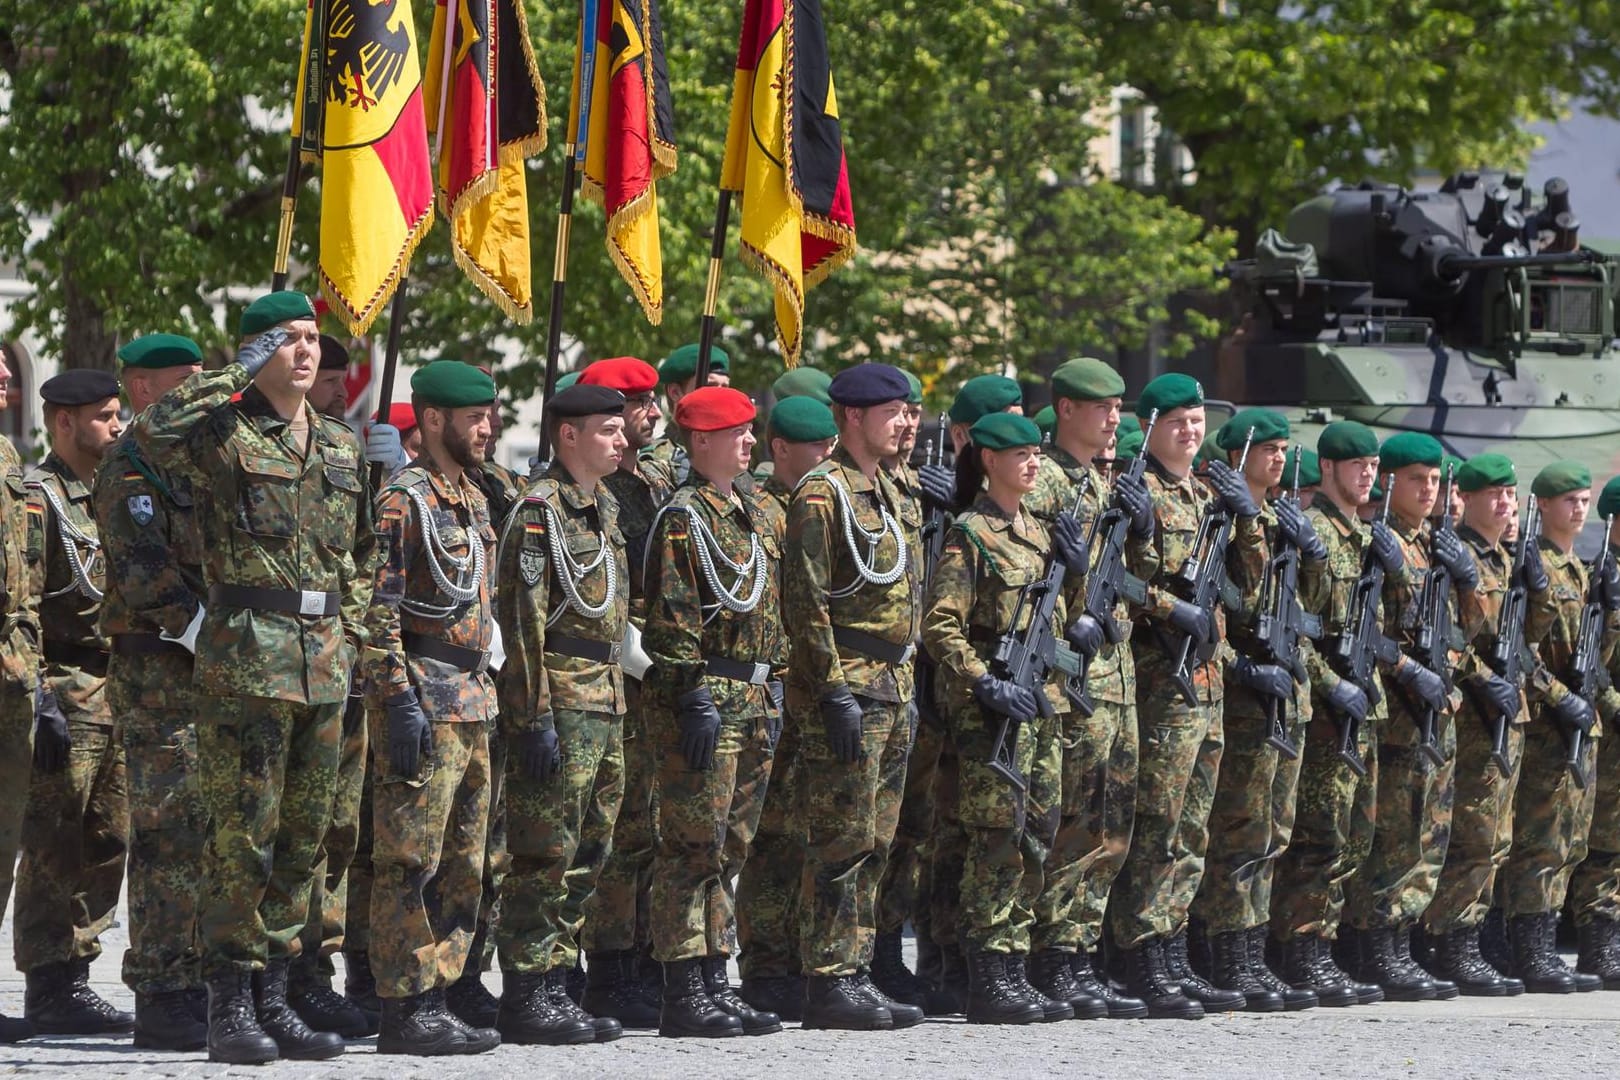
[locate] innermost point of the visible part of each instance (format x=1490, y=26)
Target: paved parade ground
x=1565, y=1037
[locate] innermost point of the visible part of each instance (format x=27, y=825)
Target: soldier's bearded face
x=1415, y=491
x=880, y=427
x=908, y=436
x=293, y=367
x=1352, y=479
x=96, y=427
x=329, y=396
x=467, y=434
x=641, y=416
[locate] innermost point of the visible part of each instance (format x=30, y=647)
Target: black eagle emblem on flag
x=365, y=54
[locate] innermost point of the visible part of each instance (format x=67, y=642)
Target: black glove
x=1609, y=586
x=1016, y=703
x=1132, y=496
x=51, y=739
x=841, y=716
x=1501, y=695
x=257, y=353
x=538, y=753
x=1232, y=488
x=1189, y=620
x=1349, y=700
x=410, y=736
x=1574, y=711
x=1296, y=528
x=938, y=484
x=1386, y=548
x=699, y=724
x=1451, y=553
x=1535, y=571
x=1267, y=680
x=1422, y=683
x=1069, y=537
x=1086, y=635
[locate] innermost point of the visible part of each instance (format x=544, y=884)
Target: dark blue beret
x=869, y=384
x=80, y=386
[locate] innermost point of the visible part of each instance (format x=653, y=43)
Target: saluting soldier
x=288, y=559
x=563, y=609
x=75, y=830
x=153, y=597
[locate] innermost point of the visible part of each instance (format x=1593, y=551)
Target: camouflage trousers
x=1411, y=824
x=75, y=834
x=329, y=900
x=1333, y=820
x=1594, y=887
x=946, y=850
x=16, y=758
x=768, y=884
x=1252, y=819
x=906, y=875
x=618, y=916
x=706, y=821
x=357, y=885
x=846, y=816
x=427, y=858
x=168, y=822
x=1007, y=833
x=558, y=835
x=1481, y=826
x=1180, y=754
x=1094, y=831
x=1551, y=821
x=496, y=860
x=268, y=771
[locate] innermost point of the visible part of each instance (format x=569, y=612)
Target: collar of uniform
x=77, y=490
x=854, y=478
x=1326, y=506
x=1550, y=553
x=1066, y=461
x=773, y=485
x=572, y=493
x=1165, y=475
x=721, y=504
x=442, y=487
x=1478, y=542
x=1405, y=531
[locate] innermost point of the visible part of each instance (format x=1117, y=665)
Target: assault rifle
x=1108, y=580
x=1510, y=657
x=1434, y=633
x=933, y=543
x=1199, y=582
x=1026, y=657
x=1587, y=674
x=1282, y=623
x=1359, y=647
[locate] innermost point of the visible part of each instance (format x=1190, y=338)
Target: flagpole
x=711, y=294
x=289, y=204
x=308, y=138
x=385, y=392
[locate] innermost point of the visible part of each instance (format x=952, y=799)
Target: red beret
x=714, y=408
x=401, y=416
x=625, y=374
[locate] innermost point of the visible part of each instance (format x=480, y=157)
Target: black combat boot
x=1585, y=983
x=1534, y=960
x=574, y=981
x=949, y=998
x=1232, y=969
x=197, y=1002
x=469, y=1000
x=993, y=998
x=1294, y=998
x=164, y=1021
x=1093, y=983
x=311, y=995
x=890, y=974
x=930, y=960
x=1366, y=993
x=1457, y=959
x=1195, y=986
x=14, y=1029
x=56, y=1002
x=477, y=1040
x=1493, y=941
x=613, y=989
x=294, y=1039
x=837, y=1003
x=1018, y=976
x=234, y=1034
x=529, y=1016
x=901, y=1015
x=689, y=1012
x=1052, y=973
x=780, y=994
x=410, y=1025
x=1303, y=969
x=1600, y=951
x=1444, y=989
x=1147, y=977
x=718, y=984
x=360, y=986
x=1381, y=964
x=558, y=983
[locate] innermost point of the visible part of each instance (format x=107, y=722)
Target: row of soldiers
x=650, y=710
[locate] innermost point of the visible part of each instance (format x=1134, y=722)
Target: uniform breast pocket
x=341, y=493
x=269, y=497
x=1009, y=582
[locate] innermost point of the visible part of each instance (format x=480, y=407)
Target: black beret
x=334, y=354
x=868, y=384
x=583, y=399
x=80, y=386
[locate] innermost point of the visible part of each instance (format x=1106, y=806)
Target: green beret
x=1269, y=426
x=1344, y=440
x=1410, y=448
x=1167, y=392
x=1085, y=379
x=1310, y=467
x=1128, y=442
x=1486, y=470
x=1561, y=478
x=273, y=309
x=450, y=384
x=567, y=379
x=1127, y=425
x=682, y=363
x=1376, y=494
x=1046, y=420
x=1208, y=451
x=1609, y=502
x=160, y=351
x=802, y=382
x=982, y=395
x=802, y=419
x=1004, y=431
x=916, y=388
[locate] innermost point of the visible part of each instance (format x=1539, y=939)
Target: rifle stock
x=1509, y=655
x=1361, y=644
x=1587, y=674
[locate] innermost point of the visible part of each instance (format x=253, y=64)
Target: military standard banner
x=785, y=158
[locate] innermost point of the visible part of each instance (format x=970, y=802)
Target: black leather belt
x=146, y=645
x=870, y=645
x=287, y=601
x=753, y=674
x=86, y=658
x=603, y=652
x=473, y=661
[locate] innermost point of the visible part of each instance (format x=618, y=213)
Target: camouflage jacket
x=154, y=551
x=1401, y=614
x=1243, y=618
x=774, y=499
x=19, y=638
x=1495, y=564
x=1346, y=540
x=639, y=496
x=905, y=481
x=501, y=488
x=68, y=574
x=556, y=514
x=698, y=539
x=1553, y=628
x=663, y=463
x=407, y=597
x=986, y=561
x=822, y=587
x=271, y=518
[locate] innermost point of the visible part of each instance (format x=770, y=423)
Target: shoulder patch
x=140, y=509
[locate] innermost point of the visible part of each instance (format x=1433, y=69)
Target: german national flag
x=630, y=141
x=361, y=114
x=487, y=113
x=785, y=158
